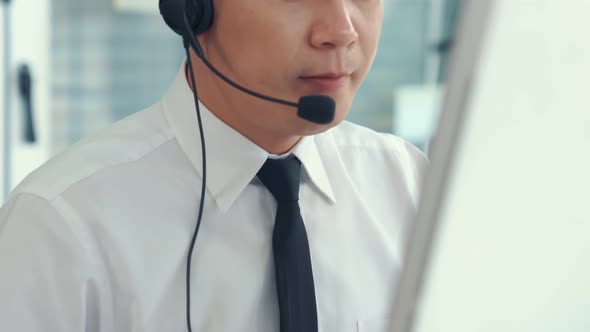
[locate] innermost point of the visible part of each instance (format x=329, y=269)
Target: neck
x=222, y=99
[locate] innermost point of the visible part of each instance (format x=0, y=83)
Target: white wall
x=30, y=34
x=136, y=5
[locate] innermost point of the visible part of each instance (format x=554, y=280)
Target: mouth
x=326, y=82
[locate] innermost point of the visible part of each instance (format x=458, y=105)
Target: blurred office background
x=94, y=62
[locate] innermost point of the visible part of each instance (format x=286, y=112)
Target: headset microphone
x=314, y=108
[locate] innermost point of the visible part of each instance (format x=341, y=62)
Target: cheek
x=370, y=41
x=255, y=46
x=369, y=30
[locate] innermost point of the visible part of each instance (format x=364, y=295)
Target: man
x=96, y=239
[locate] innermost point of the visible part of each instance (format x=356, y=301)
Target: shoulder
x=372, y=158
x=350, y=136
x=125, y=141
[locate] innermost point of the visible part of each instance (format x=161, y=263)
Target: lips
x=326, y=82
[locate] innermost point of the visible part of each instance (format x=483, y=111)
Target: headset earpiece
x=199, y=14
x=204, y=12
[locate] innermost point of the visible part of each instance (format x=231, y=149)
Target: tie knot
x=281, y=177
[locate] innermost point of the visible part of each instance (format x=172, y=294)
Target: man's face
x=290, y=48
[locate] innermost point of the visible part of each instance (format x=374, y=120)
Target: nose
x=334, y=27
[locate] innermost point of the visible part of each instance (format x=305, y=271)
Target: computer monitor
x=502, y=237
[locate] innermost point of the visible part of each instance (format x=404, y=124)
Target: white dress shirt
x=97, y=238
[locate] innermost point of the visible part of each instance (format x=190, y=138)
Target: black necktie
x=294, y=276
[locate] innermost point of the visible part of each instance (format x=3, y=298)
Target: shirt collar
x=232, y=159
x=307, y=152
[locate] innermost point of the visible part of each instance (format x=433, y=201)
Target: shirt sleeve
x=45, y=281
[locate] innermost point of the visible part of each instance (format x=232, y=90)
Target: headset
x=189, y=18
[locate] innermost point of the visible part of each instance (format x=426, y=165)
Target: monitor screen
x=501, y=240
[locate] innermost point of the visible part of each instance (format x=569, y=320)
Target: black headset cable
x=204, y=177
